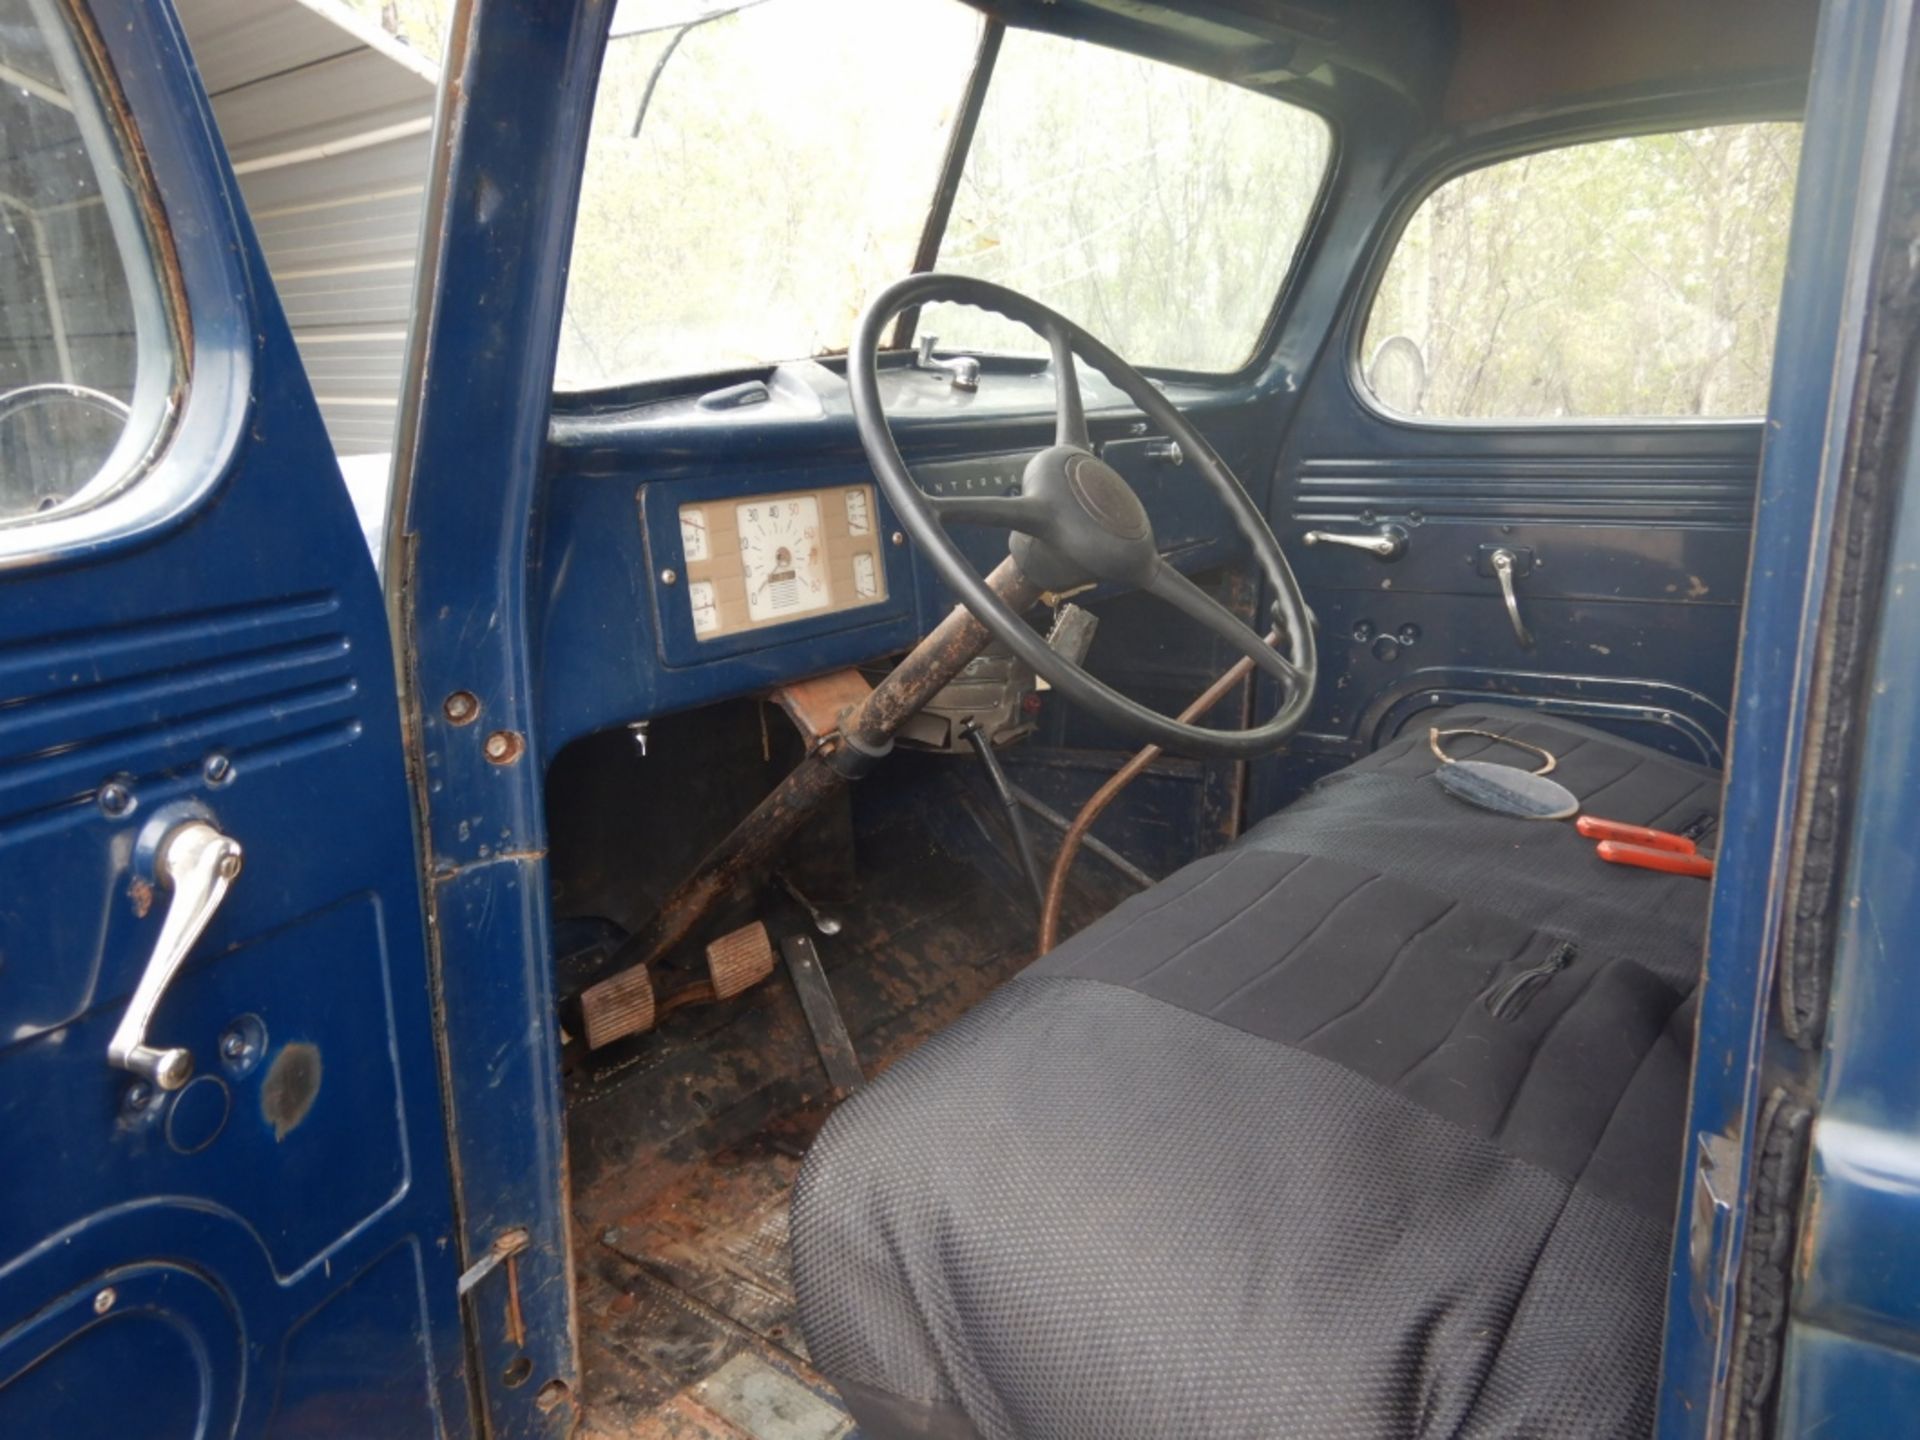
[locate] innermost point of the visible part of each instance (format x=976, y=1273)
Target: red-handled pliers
x=1643, y=847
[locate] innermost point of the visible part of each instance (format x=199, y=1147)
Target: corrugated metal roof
x=328, y=121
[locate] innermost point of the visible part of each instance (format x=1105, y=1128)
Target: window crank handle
x=1503, y=566
x=198, y=864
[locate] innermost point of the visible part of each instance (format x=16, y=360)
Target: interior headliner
x=1460, y=62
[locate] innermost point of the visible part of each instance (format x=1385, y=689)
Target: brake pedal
x=739, y=960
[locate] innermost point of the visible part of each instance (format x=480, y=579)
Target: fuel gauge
x=693, y=534
x=859, y=513
x=706, y=614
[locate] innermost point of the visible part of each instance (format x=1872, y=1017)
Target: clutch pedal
x=621, y=1006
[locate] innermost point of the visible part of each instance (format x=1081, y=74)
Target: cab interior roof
x=1457, y=62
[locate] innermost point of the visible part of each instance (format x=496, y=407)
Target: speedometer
x=780, y=551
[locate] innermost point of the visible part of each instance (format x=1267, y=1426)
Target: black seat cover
x=1369, y=1126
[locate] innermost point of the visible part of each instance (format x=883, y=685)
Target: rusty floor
x=685, y=1142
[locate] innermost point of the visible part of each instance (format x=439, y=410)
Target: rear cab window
x=88, y=367
x=739, y=208
x=1635, y=278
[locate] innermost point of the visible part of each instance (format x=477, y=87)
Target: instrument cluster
x=764, y=559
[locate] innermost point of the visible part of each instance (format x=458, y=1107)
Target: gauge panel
x=762, y=560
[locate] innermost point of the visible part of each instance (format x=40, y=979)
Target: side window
x=1160, y=208
x=1619, y=279
x=86, y=360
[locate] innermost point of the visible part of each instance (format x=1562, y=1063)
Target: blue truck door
x=226, y=1204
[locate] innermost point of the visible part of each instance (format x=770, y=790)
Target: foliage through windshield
x=782, y=173
x=1158, y=208
x=785, y=162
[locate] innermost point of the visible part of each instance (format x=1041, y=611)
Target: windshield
x=786, y=158
x=1164, y=217
x=757, y=172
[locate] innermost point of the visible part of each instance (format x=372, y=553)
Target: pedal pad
x=739, y=960
x=621, y=1006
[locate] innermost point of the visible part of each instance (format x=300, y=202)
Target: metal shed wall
x=328, y=120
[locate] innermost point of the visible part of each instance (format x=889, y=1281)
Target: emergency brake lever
x=198, y=864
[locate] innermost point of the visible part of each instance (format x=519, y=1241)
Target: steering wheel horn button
x=1092, y=525
x=1106, y=498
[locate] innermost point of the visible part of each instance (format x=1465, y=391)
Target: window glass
x=81, y=386
x=1626, y=278
x=1158, y=208
x=785, y=161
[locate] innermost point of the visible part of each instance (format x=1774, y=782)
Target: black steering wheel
x=24, y=397
x=1075, y=522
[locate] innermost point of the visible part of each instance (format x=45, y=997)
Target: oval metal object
x=1507, y=790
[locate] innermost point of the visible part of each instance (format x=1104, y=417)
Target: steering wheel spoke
x=1023, y=513
x=1170, y=585
x=1070, y=413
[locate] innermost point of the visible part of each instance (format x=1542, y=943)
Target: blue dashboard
x=615, y=637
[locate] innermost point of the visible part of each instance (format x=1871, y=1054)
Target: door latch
x=1389, y=542
x=198, y=864
x=1716, y=1180
x=506, y=1250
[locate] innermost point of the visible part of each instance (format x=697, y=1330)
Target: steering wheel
x=1075, y=522
x=23, y=397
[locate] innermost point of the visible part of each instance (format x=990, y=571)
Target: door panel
x=1632, y=547
x=169, y=1327
x=1624, y=558
x=268, y=1247
x=1513, y=314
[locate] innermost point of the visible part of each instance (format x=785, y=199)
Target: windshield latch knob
x=962, y=370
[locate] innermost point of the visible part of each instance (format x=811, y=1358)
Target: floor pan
x=686, y=1142
x=689, y=1314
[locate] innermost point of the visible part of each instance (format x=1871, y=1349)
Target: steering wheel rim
x=1076, y=521
x=20, y=397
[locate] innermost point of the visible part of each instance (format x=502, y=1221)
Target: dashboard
x=689, y=554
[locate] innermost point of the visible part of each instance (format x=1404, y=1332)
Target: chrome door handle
x=197, y=863
x=1502, y=561
x=1389, y=542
